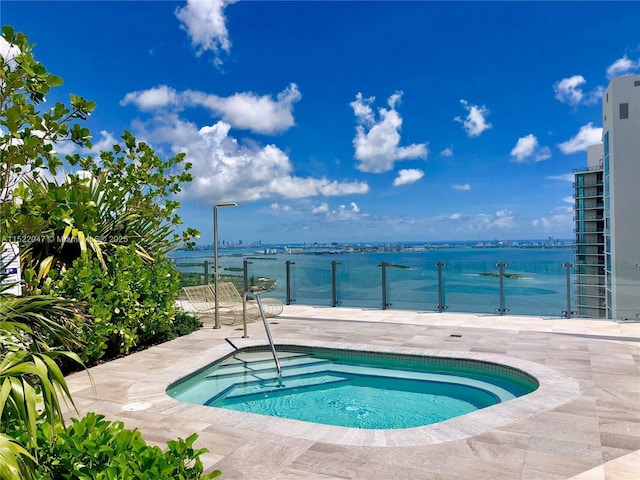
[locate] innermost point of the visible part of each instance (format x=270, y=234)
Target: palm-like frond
x=13, y=460
x=38, y=322
x=31, y=382
x=91, y=214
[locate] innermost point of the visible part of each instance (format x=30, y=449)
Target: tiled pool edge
x=555, y=389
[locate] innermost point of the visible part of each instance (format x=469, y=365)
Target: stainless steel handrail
x=269, y=337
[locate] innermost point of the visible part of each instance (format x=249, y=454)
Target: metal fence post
x=288, y=264
x=441, y=306
x=567, y=313
x=245, y=293
x=245, y=271
x=384, y=303
x=334, y=284
x=206, y=272
x=502, y=310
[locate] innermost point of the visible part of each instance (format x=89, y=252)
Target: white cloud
x=276, y=207
x=224, y=168
x=320, y=209
x=66, y=147
x=447, y=152
x=246, y=110
x=479, y=224
x=153, y=98
x=316, y=217
x=205, y=23
x=569, y=90
x=504, y=218
x=378, y=148
x=527, y=147
x=106, y=143
x=363, y=111
x=8, y=51
x=407, y=176
x=260, y=114
x=344, y=213
x=543, y=223
x=462, y=187
x=543, y=153
x=622, y=66
x=565, y=177
x=586, y=136
x=559, y=219
x=475, y=122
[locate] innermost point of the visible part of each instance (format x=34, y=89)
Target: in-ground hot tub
x=355, y=389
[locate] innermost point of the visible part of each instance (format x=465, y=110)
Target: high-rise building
x=589, y=218
x=607, y=210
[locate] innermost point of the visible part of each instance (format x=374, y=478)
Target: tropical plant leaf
x=13, y=460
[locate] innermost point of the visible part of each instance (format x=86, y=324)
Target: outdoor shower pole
x=216, y=275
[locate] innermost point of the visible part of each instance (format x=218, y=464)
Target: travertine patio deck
x=589, y=431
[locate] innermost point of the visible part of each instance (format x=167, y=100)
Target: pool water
x=352, y=389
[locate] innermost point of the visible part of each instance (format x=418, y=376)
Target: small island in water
x=515, y=276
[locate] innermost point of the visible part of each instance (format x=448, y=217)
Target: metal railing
x=334, y=284
x=269, y=337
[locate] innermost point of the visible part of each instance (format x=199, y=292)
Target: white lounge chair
x=230, y=303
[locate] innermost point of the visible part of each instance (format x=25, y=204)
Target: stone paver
x=586, y=427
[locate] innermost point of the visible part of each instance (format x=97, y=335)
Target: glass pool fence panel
x=626, y=285
x=535, y=281
x=271, y=267
x=468, y=286
x=192, y=263
x=311, y=284
x=410, y=286
x=357, y=283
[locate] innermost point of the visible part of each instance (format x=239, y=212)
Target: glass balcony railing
x=529, y=281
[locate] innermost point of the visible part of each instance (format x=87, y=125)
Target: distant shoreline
x=347, y=248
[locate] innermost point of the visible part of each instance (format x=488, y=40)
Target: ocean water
x=541, y=291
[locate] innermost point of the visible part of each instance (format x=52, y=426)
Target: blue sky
x=350, y=121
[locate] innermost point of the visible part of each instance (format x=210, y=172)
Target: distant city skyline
x=550, y=241
x=350, y=121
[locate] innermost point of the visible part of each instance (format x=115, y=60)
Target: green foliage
x=123, y=197
x=184, y=323
x=31, y=382
x=15, y=460
x=103, y=231
x=28, y=135
x=130, y=304
x=97, y=449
